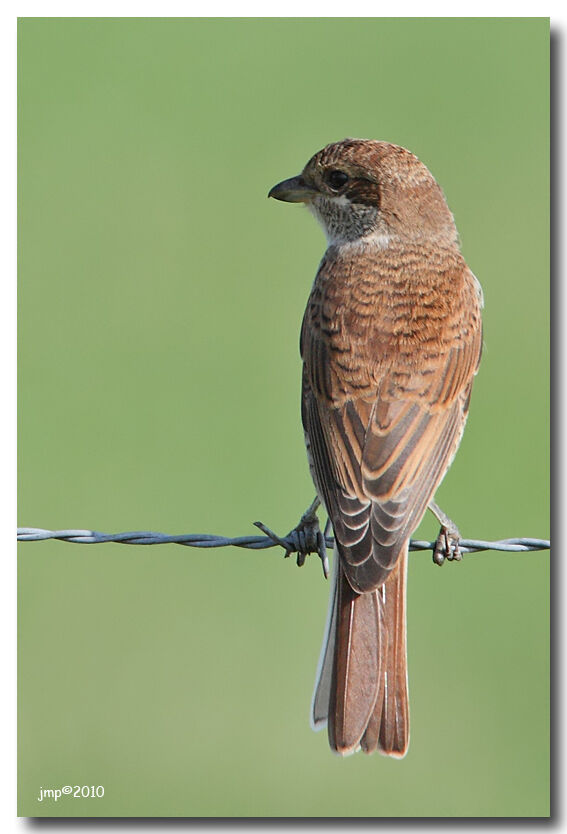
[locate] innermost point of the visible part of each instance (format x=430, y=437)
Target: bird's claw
x=305, y=538
x=447, y=545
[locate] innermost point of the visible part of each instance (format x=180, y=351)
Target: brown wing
x=378, y=458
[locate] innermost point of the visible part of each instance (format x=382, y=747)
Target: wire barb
x=292, y=543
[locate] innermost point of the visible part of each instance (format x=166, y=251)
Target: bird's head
x=363, y=190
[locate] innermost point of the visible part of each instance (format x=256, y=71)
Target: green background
x=160, y=300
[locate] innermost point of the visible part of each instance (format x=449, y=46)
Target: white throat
x=348, y=224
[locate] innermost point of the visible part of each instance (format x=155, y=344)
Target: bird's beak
x=294, y=190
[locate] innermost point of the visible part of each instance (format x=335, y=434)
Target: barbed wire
x=292, y=543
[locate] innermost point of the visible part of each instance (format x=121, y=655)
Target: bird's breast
x=377, y=310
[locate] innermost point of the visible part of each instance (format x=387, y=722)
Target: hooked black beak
x=294, y=190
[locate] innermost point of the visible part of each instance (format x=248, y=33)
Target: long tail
x=361, y=691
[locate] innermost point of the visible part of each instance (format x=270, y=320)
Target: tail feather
x=361, y=690
x=388, y=728
x=356, y=669
x=323, y=681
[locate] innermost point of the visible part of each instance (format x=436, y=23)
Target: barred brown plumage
x=391, y=340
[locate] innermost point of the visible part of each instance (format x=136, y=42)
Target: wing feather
x=378, y=459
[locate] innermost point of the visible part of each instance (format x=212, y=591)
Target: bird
x=391, y=341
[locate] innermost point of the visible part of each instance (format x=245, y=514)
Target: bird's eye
x=336, y=179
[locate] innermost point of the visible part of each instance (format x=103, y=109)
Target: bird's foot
x=447, y=543
x=305, y=538
x=447, y=546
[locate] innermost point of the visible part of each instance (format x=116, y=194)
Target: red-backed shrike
x=391, y=341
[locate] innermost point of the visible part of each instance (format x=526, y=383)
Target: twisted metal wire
x=290, y=543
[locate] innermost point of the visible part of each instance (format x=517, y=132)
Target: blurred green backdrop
x=160, y=300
